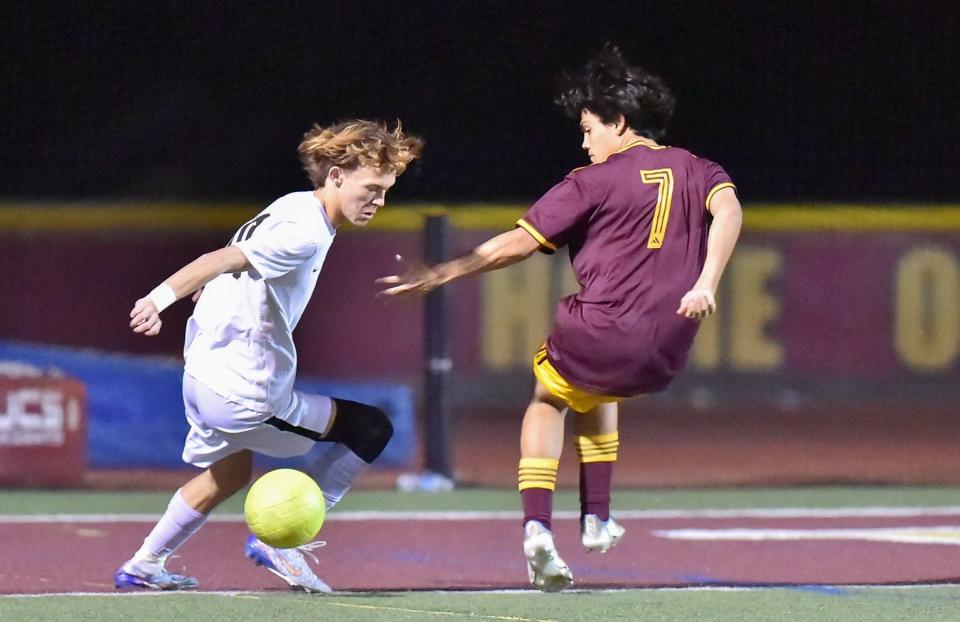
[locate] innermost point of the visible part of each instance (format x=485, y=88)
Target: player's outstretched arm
x=497, y=252
x=145, y=315
x=700, y=301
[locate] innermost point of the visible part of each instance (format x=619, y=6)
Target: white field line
x=433, y=612
x=377, y=515
x=949, y=534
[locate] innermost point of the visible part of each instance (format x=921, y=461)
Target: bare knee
x=541, y=434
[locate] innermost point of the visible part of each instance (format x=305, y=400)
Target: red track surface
x=401, y=555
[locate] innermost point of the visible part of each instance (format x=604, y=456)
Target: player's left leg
x=598, y=441
x=541, y=443
x=360, y=433
x=185, y=515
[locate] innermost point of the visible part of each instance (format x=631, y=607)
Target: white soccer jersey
x=239, y=340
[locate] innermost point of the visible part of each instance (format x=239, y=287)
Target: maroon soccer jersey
x=636, y=227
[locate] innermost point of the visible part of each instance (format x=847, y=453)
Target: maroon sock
x=537, y=505
x=595, y=479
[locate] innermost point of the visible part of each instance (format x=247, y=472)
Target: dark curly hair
x=609, y=87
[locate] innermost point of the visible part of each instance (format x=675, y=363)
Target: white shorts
x=219, y=427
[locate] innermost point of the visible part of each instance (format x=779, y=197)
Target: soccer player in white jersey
x=240, y=357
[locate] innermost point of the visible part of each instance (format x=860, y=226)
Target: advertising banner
x=42, y=430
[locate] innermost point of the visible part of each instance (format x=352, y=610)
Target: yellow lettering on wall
x=516, y=313
x=927, y=324
x=752, y=308
x=518, y=305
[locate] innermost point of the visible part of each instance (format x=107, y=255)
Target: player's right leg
x=228, y=468
x=185, y=515
x=597, y=444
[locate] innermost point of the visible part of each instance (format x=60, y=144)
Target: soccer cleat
x=129, y=578
x=547, y=572
x=288, y=564
x=599, y=535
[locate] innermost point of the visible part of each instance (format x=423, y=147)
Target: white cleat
x=598, y=535
x=288, y=564
x=547, y=572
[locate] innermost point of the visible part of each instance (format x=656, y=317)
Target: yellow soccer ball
x=285, y=508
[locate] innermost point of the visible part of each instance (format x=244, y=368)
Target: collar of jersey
x=639, y=143
x=326, y=219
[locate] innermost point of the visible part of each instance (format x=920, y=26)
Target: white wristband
x=162, y=296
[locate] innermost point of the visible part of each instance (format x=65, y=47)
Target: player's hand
x=196, y=295
x=144, y=318
x=697, y=304
x=417, y=279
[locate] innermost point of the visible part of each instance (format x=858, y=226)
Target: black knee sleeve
x=364, y=429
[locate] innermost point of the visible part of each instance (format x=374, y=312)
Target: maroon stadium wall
x=831, y=311
x=851, y=301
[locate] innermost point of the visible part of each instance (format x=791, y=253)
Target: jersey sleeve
x=715, y=179
x=278, y=247
x=558, y=213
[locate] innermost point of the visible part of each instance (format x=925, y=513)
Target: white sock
x=175, y=527
x=336, y=471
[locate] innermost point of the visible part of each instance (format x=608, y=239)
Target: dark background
x=843, y=101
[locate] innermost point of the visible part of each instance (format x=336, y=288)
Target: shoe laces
x=592, y=526
x=308, y=548
x=157, y=564
x=534, y=527
x=181, y=572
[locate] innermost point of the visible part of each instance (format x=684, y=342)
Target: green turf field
x=82, y=501
x=930, y=604
x=756, y=605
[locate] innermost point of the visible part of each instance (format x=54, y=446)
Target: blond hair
x=355, y=143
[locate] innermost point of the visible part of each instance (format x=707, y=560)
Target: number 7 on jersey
x=663, y=178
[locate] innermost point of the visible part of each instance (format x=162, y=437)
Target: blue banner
x=135, y=407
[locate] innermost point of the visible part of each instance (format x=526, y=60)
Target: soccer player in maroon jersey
x=649, y=229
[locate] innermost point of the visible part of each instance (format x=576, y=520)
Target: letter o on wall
x=927, y=320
